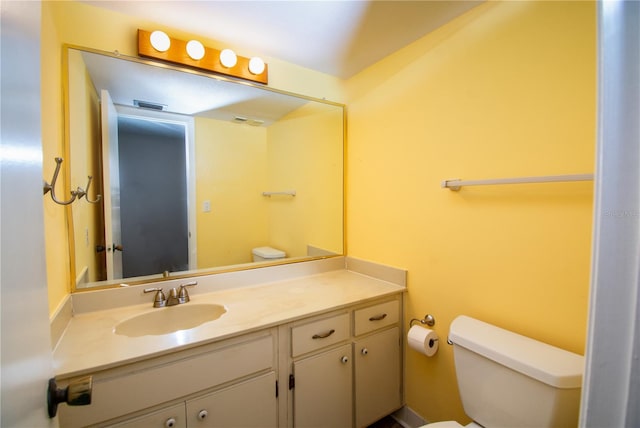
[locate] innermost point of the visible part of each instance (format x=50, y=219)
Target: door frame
x=188, y=123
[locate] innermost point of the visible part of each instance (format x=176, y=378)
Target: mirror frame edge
x=66, y=149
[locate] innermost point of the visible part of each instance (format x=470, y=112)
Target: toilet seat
x=450, y=424
x=443, y=424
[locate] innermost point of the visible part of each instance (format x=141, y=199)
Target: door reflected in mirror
x=186, y=164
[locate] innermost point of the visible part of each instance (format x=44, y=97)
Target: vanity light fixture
x=160, y=41
x=228, y=58
x=194, y=54
x=195, y=49
x=256, y=65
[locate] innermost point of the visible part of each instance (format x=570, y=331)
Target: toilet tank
x=509, y=380
x=267, y=254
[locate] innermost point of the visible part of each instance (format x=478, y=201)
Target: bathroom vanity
x=320, y=346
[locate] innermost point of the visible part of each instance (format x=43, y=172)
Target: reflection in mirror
x=197, y=173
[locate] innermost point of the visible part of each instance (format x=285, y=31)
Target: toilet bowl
x=509, y=380
x=261, y=254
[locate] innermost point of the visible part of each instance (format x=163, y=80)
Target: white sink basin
x=170, y=319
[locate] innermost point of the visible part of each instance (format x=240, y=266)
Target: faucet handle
x=160, y=300
x=183, y=295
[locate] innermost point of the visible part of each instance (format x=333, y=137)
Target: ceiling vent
x=149, y=105
x=252, y=122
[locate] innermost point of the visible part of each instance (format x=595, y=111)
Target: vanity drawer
x=319, y=334
x=375, y=317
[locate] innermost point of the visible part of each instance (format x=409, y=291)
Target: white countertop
x=89, y=343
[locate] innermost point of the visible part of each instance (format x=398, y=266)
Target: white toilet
x=261, y=254
x=509, y=380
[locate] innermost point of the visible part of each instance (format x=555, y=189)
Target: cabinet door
x=377, y=376
x=322, y=396
x=248, y=404
x=171, y=417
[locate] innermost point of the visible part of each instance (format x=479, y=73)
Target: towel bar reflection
x=283, y=193
x=456, y=184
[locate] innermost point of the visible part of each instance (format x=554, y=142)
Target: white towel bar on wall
x=456, y=184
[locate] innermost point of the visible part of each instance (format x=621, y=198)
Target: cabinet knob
x=202, y=415
x=344, y=359
x=364, y=351
x=170, y=423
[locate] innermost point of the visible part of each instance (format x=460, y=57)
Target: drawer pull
x=170, y=423
x=202, y=415
x=378, y=317
x=323, y=335
x=344, y=359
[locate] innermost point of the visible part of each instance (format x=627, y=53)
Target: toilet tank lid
x=546, y=363
x=268, y=253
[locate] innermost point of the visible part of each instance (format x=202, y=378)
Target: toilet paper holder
x=427, y=320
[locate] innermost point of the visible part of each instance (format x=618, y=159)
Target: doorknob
x=115, y=248
x=77, y=393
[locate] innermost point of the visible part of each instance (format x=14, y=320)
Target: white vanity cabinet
x=322, y=373
x=377, y=376
x=170, y=417
x=323, y=392
x=377, y=362
x=346, y=367
x=249, y=404
x=326, y=352
x=161, y=391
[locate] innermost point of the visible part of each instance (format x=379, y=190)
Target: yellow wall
x=235, y=163
x=57, y=247
x=301, y=159
x=231, y=168
x=505, y=90
x=71, y=22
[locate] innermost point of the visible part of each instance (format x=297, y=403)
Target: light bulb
x=256, y=65
x=160, y=41
x=195, y=49
x=228, y=58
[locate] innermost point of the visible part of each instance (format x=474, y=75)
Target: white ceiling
x=185, y=93
x=337, y=37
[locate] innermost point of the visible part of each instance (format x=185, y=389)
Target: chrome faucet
x=175, y=297
x=173, y=300
x=159, y=301
x=183, y=294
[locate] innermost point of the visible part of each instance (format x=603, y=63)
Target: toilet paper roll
x=423, y=340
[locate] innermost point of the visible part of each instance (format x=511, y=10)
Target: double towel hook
x=75, y=194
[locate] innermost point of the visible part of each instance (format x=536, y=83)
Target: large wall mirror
x=194, y=172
